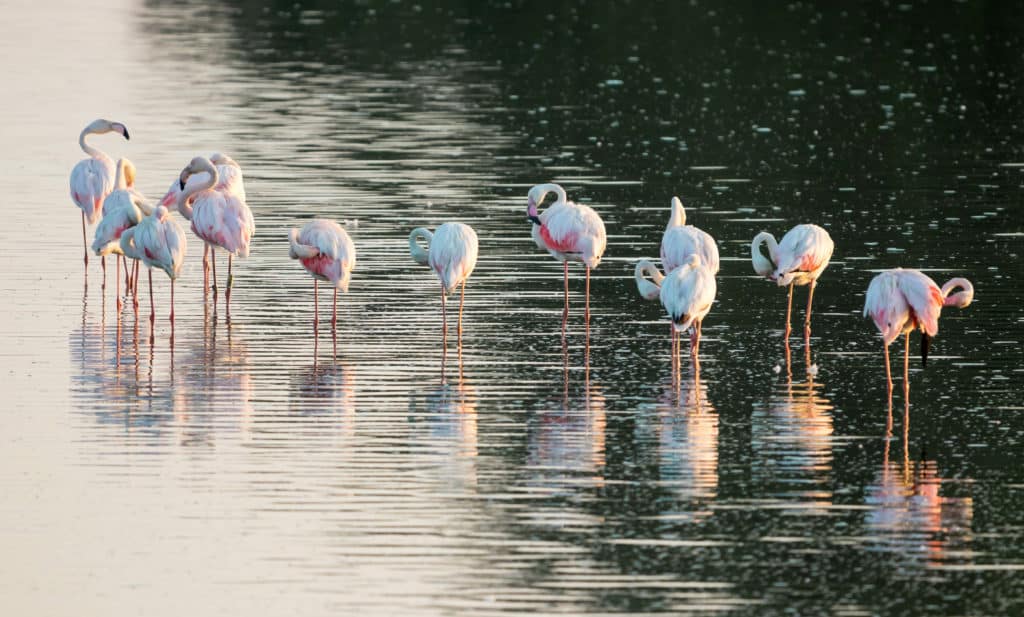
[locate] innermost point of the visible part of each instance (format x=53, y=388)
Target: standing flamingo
x=678, y=243
x=687, y=293
x=124, y=207
x=229, y=181
x=451, y=253
x=92, y=179
x=570, y=232
x=325, y=251
x=900, y=300
x=221, y=219
x=799, y=260
x=159, y=241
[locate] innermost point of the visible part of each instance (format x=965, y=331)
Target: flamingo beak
x=182, y=179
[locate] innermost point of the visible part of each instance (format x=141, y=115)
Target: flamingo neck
x=120, y=180
x=762, y=265
x=962, y=298
x=541, y=191
x=184, y=206
x=419, y=254
x=95, y=153
x=678, y=218
x=649, y=289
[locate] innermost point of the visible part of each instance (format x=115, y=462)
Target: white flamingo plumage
x=326, y=251
x=570, y=232
x=900, y=300
x=451, y=253
x=123, y=208
x=159, y=242
x=799, y=259
x=92, y=179
x=687, y=294
x=220, y=219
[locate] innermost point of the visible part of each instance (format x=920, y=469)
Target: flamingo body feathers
x=325, y=250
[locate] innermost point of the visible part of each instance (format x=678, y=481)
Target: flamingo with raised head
x=92, y=179
x=799, y=259
x=678, y=243
x=451, y=253
x=229, y=180
x=570, y=232
x=220, y=219
x=123, y=208
x=159, y=242
x=900, y=300
x=326, y=251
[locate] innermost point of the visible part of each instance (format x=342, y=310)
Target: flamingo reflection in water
x=449, y=412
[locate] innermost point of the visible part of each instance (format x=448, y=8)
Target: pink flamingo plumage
x=326, y=251
x=92, y=179
x=900, y=300
x=451, y=253
x=220, y=219
x=570, y=232
x=123, y=208
x=159, y=242
x=229, y=180
x=799, y=259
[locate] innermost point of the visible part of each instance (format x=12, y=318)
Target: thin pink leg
x=565, y=311
x=888, y=373
x=152, y=306
x=227, y=292
x=586, y=313
x=206, y=268
x=462, y=301
x=213, y=270
x=316, y=304
x=906, y=371
x=172, y=305
x=807, y=320
x=334, y=314
x=444, y=318
x=103, y=264
x=117, y=286
x=85, y=243
x=789, y=311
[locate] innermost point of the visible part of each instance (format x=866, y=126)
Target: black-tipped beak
x=925, y=339
x=533, y=219
x=126, y=134
x=181, y=184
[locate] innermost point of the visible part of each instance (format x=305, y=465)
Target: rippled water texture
x=245, y=470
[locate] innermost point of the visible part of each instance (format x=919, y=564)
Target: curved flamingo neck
x=541, y=191
x=419, y=254
x=762, y=265
x=184, y=207
x=649, y=289
x=95, y=153
x=961, y=299
x=678, y=218
x=120, y=181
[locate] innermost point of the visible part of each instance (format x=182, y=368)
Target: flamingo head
x=160, y=213
x=783, y=279
x=533, y=199
x=196, y=165
x=106, y=126
x=129, y=173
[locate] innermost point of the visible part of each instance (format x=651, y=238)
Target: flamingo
x=326, y=252
x=799, y=259
x=92, y=179
x=159, y=241
x=229, y=181
x=687, y=294
x=570, y=232
x=124, y=207
x=220, y=219
x=900, y=300
x=451, y=253
x=678, y=243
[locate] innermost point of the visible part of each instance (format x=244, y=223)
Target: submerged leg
x=789, y=311
x=807, y=319
x=565, y=311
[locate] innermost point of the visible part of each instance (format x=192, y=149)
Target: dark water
x=246, y=470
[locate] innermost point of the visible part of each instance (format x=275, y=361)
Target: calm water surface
x=245, y=470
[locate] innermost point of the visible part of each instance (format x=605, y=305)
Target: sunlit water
x=246, y=470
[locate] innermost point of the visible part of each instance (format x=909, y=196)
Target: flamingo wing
x=924, y=297
x=453, y=253
x=886, y=305
x=678, y=243
x=92, y=180
x=805, y=248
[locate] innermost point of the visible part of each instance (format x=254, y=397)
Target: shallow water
x=244, y=468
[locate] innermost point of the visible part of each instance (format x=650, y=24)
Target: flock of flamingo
x=209, y=193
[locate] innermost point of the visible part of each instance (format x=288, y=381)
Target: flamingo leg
x=789, y=311
x=334, y=315
x=85, y=243
x=316, y=304
x=135, y=287
x=152, y=308
x=206, y=268
x=586, y=313
x=462, y=301
x=227, y=291
x=888, y=373
x=807, y=320
x=103, y=263
x=444, y=319
x=172, y=307
x=213, y=269
x=565, y=311
x=906, y=371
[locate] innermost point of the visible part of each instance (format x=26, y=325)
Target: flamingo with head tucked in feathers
x=229, y=180
x=221, y=219
x=327, y=253
x=159, y=242
x=570, y=232
x=900, y=300
x=451, y=253
x=92, y=179
x=799, y=259
x=686, y=292
x=123, y=208
x=678, y=243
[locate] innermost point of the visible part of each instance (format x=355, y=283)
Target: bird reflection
x=910, y=517
x=567, y=437
x=792, y=435
x=449, y=413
